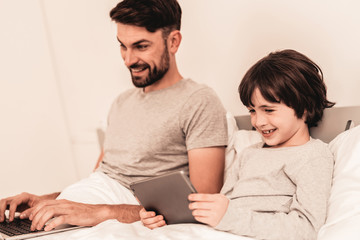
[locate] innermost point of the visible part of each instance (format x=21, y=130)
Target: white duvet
x=100, y=189
x=112, y=229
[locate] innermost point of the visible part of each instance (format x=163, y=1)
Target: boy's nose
x=259, y=121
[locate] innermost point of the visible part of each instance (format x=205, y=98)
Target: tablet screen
x=167, y=195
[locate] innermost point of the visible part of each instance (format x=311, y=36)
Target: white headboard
x=334, y=122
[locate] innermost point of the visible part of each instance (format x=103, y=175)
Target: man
x=167, y=123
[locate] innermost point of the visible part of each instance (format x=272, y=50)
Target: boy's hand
x=208, y=208
x=151, y=220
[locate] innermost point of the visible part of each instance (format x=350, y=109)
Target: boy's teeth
x=268, y=131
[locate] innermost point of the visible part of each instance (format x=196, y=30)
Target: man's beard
x=155, y=74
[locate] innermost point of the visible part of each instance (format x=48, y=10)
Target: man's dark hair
x=291, y=78
x=151, y=14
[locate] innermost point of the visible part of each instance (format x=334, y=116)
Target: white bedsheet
x=112, y=229
x=99, y=189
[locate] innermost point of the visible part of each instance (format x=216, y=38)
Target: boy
x=280, y=188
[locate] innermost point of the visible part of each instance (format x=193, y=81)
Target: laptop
x=167, y=195
x=20, y=229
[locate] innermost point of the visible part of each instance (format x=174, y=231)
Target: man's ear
x=174, y=41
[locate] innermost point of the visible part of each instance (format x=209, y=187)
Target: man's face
x=144, y=53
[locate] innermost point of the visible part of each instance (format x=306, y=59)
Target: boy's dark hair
x=291, y=78
x=151, y=14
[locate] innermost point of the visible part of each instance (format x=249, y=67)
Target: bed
x=344, y=203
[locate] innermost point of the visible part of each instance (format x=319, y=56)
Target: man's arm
x=65, y=211
x=99, y=159
x=206, y=168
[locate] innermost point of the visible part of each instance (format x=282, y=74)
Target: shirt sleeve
x=306, y=214
x=203, y=120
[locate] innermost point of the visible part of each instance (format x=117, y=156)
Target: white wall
x=61, y=69
x=222, y=39
x=35, y=150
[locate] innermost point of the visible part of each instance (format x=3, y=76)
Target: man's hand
x=64, y=211
x=22, y=203
x=208, y=208
x=151, y=220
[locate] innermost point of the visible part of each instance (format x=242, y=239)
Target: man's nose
x=129, y=58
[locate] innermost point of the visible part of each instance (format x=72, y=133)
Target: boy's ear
x=174, y=41
x=304, y=116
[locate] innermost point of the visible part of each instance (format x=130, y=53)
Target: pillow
x=237, y=141
x=343, y=219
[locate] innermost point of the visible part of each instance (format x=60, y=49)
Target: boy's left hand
x=151, y=220
x=208, y=208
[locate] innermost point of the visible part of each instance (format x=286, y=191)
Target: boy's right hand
x=151, y=220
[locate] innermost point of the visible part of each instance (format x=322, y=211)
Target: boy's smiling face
x=277, y=123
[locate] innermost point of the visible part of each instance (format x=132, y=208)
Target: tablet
x=167, y=195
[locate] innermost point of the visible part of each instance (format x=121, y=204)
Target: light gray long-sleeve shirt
x=279, y=193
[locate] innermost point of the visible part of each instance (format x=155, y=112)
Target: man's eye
x=251, y=110
x=142, y=47
x=269, y=110
x=122, y=46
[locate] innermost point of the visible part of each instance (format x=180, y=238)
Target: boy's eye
x=269, y=110
x=251, y=110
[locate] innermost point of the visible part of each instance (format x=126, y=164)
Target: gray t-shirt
x=149, y=134
x=279, y=193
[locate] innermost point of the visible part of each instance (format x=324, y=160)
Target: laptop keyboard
x=16, y=227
